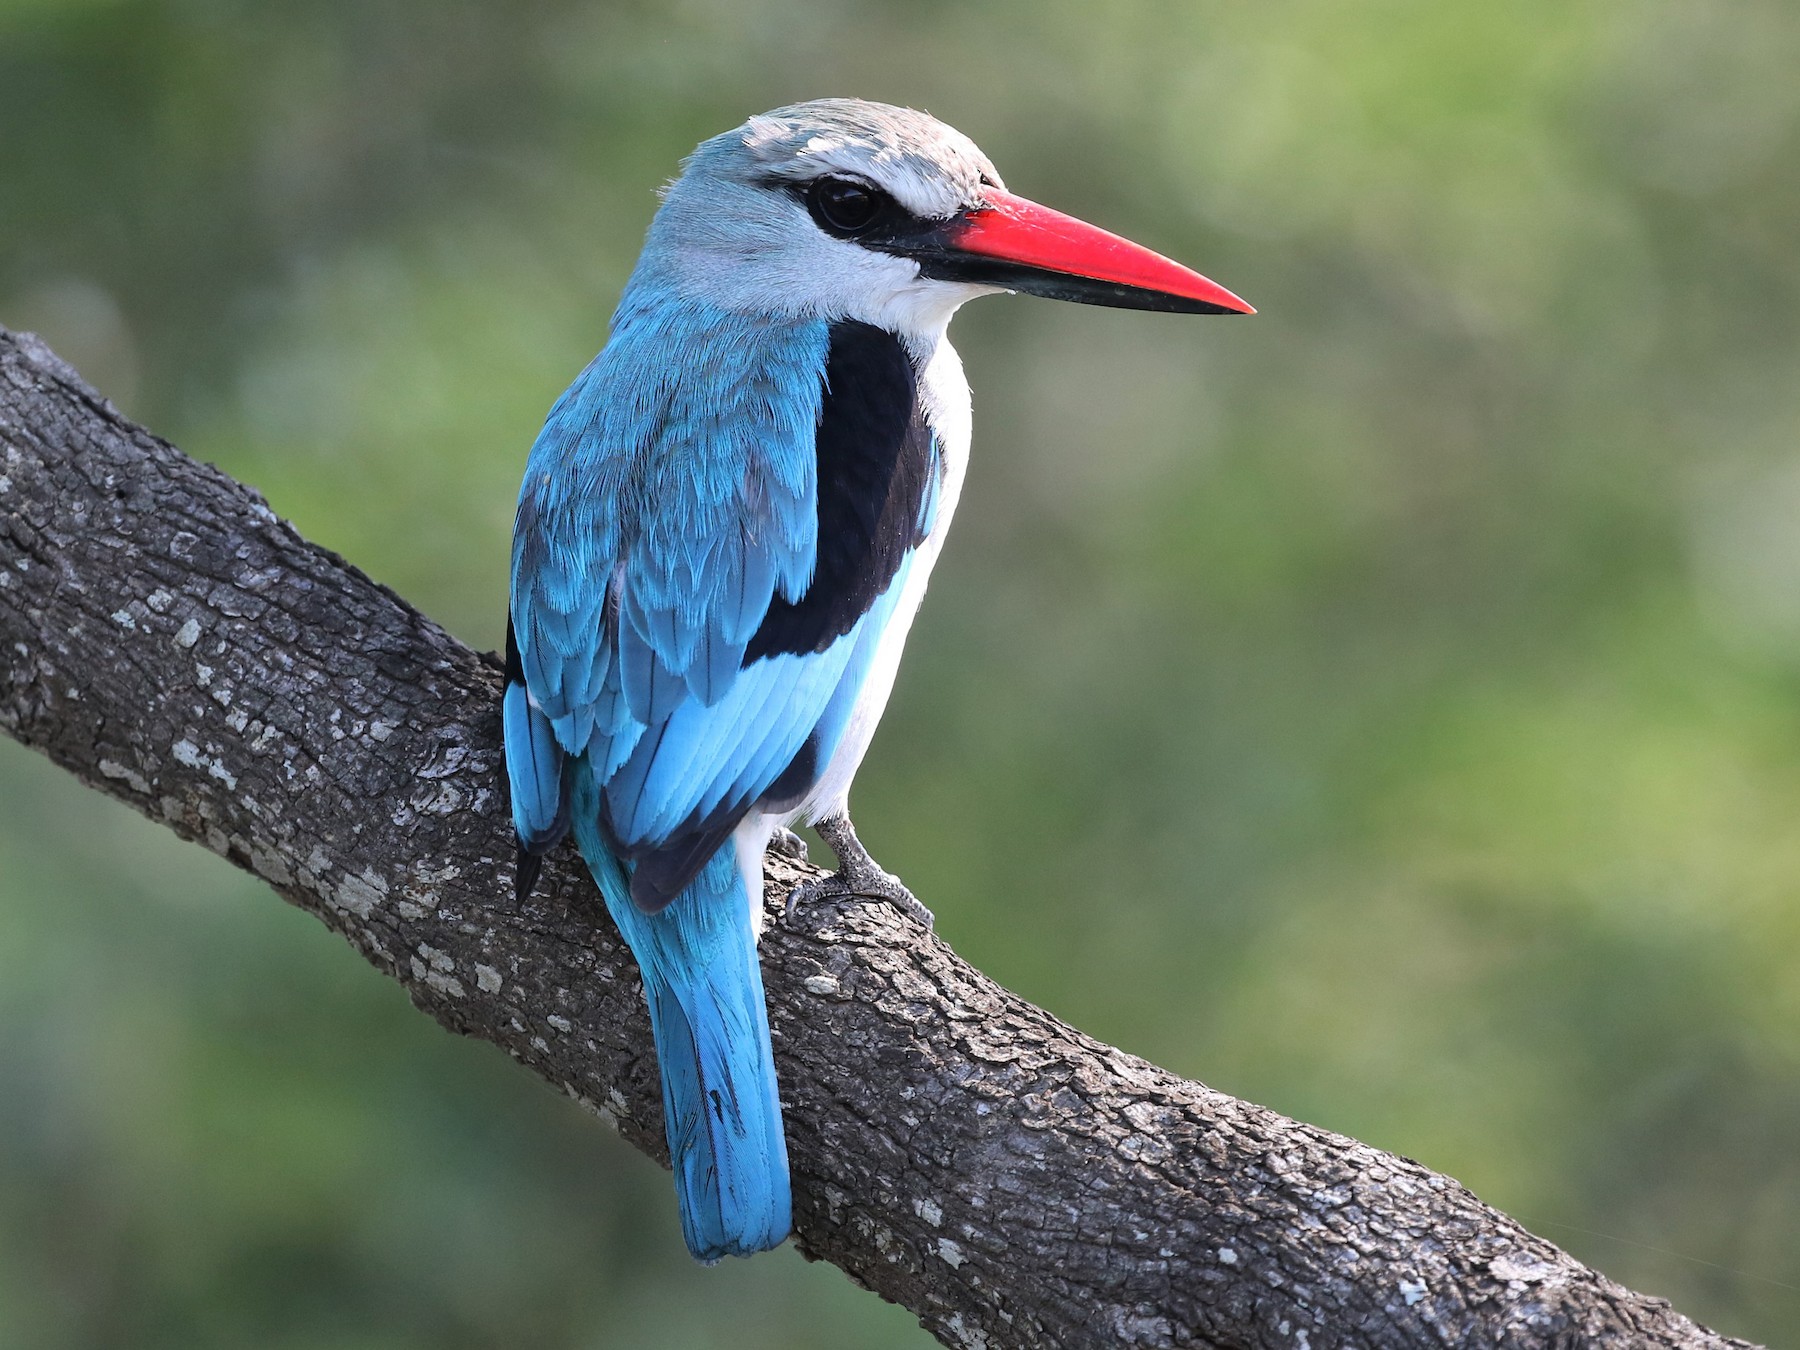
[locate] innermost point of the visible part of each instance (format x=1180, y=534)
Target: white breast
x=944, y=396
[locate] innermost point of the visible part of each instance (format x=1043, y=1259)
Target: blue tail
x=704, y=987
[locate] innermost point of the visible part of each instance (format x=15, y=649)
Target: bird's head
x=845, y=209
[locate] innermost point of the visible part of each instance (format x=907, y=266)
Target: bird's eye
x=843, y=206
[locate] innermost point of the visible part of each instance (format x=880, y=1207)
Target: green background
x=1386, y=708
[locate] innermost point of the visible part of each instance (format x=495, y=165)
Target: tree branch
x=170, y=642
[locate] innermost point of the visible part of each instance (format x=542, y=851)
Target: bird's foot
x=788, y=845
x=858, y=874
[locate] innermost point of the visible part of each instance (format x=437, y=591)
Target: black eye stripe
x=888, y=228
x=847, y=207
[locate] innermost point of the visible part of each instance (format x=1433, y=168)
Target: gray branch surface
x=168, y=640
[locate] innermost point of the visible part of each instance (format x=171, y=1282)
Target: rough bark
x=168, y=640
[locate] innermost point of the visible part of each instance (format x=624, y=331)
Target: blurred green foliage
x=1386, y=708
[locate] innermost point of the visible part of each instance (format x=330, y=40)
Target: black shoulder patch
x=875, y=463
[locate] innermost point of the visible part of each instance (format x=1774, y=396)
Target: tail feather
x=721, y=1110
x=723, y=1120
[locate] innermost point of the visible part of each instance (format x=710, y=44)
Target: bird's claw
x=801, y=895
x=858, y=874
x=870, y=883
x=886, y=886
x=788, y=845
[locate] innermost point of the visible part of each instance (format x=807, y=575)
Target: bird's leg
x=788, y=845
x=857, y=874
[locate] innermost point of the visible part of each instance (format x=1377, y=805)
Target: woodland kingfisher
x=725, y=529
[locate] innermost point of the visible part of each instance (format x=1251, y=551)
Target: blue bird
x=725, y=529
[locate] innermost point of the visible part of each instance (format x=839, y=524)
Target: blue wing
x=716, y=524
